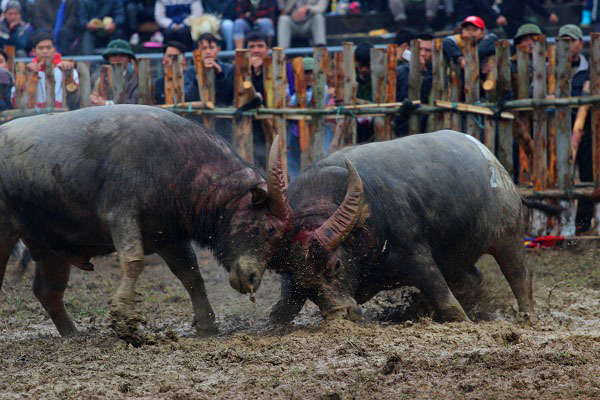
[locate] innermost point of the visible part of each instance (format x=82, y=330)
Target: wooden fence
x=538, y=116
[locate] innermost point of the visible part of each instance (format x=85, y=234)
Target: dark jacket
x=89, y=9
x=485, y=48
x=18, y=37
x=513, y=9
x=223, y=85
x=402, y=93
x=189, y=78
x=481, y=8
x=45, y=11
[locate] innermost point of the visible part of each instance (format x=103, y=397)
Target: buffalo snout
x=246, y=274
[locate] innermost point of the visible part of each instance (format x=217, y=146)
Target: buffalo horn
x=279, y=205
x=333, y=232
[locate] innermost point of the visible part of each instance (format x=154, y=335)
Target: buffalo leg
x=7, y=242
x=425, y=275
x=291, y=302
x=510, y=257
x=127, y=239
x=181, y=259
x=49, y=284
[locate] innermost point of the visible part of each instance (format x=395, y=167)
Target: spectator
x=6, y=82
x=26, y=8
x=513, y=11
x=425, y=65
x=60, y=18
x=170, y=16
x=13, y=30
x=210, y=48
x=482, y=8
x=226, y=9
x=403, y=38
x=524, y=39
x=118, y=52
x=136, y=13
x=253, y=15
x=581, y=140
x=258, y=46
x=301, y=18
x=471, y=27
x=102, y=21
x=170, y=52
x=45, y=51
x=398, y=9
x=362, y=58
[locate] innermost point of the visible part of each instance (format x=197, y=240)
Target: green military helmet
x=118, y=46
x=525, y=30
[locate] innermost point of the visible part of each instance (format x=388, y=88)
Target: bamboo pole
x=439, y=80
x=564, y=159
x=503, y=88
x=471, y=83
x=414, y=86
x=279, y=83
x=144, y=82
x=379, y=88
x=242, y=139
x=552, y=170
x=268, y=123
x=321, y=63
x=303, y=126
x=392, y=62
x=206, y=85
x=472, y=109
x=85, y=86
x=455, y=95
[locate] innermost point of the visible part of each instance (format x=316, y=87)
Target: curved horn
x=333, y=232
x=279, y=203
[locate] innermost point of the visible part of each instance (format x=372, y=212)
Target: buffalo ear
x=259, y=197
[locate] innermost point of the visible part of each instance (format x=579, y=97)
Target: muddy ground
x=398, y=353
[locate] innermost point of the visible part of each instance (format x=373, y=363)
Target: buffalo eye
x=271, y=230
x=334, y=266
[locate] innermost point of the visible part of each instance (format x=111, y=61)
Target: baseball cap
x=473, y=20
x=571, y=30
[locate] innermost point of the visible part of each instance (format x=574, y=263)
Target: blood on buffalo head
x=257, y=227
x=319, y=263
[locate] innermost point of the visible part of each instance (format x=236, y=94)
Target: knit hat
x=118, y=46
x=527, y=29
x=573, y=31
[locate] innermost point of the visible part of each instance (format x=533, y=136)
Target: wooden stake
x=414, y=87
x=145, y=82
x=20, y=86
x=379, y=89
x=85, y=87
x=318, y=102
x=243, y=141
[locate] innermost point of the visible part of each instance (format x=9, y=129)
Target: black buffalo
x=137, y=180
x=417, y=211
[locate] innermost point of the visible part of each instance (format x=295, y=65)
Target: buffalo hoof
x=130, y=328
x=349, y=313
x=206, y=329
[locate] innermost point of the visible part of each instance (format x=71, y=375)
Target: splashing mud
x=397, y=352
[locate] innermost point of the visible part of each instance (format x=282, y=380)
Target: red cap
x=473, y=20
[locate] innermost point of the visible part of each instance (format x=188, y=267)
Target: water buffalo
x=137, y=180
x=417, y=211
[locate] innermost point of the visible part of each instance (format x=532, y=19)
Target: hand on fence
x=66, y=65
x=97, y=100
x=34, y=66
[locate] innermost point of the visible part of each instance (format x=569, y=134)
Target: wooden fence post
x=523, y=124
x=33, y=79
x=105, y=88
x=206, y=86
x=144, y=82
x=392, y=62
x=439, y=81
x=595, y=91
x=414, y=86
x=456, y=94
x=379, y=89
x=10, y=52
x=318, y=101
x=489, y=86
x=472, y=84
x=20, y=86
x=50, y=85
x=345, y=92
x=540, y=166
x=118, y=84
x=503, y=87
x=564, y=159
x=551, y=177
x=85, y=86
x=279, y=83
x=268, y=123
x=303, y=126
x=242, y=139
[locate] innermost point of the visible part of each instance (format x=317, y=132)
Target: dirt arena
x=397, y=353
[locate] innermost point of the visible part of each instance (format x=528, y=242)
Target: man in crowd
x=301, y=18
x=524, y=40
x=253, y=15
x=13, y=30
x=362, y=61
x=210, y=48
x=425, y=65
x=171, y=15
x=118, y=52
x=60, y=19
x=512, y=10
x=402, y=40
x=7, y=81
x=171, y=51
x=45, y=51
x=103, y=21
x=471, y=27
